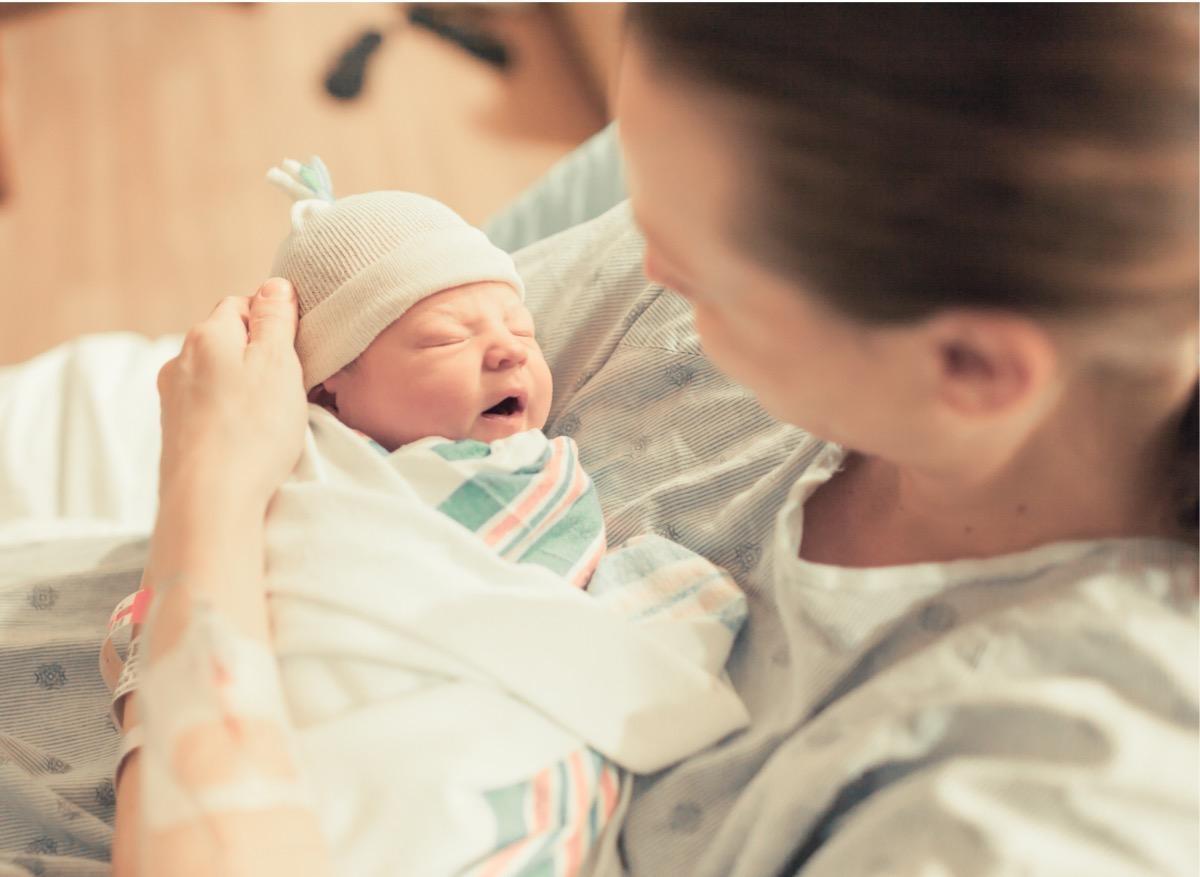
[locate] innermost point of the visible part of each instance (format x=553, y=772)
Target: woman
x=959, y=245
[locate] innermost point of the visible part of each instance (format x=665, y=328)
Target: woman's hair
x=1039, y=158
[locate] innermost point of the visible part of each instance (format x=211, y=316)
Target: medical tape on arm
x=217, y=736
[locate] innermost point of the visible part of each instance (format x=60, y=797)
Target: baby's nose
x=506, y=353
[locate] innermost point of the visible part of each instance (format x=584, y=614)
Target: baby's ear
x=318, y=395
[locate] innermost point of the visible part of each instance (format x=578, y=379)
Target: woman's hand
x=233, y=404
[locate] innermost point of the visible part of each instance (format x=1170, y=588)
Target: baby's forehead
x=466, y=304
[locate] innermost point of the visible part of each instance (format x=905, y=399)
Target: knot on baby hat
x=358, y=263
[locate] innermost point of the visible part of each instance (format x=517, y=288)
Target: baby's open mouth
x=506, y=407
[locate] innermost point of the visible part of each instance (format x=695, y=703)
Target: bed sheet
x=79, y=438
x=57, y=743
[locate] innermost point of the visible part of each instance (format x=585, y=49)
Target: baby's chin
x=484, y=429
x=490, y=429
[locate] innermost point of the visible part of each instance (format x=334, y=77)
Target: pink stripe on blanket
x=537, y=492
x=578, y=487
x=500, y=863
x=573, y=846
x=608, y=790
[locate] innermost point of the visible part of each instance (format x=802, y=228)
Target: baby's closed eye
x=441, y=340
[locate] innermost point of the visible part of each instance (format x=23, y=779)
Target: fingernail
x=276, y=287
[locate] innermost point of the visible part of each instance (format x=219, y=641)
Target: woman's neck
x=1098, y=467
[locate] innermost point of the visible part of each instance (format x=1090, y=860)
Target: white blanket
x=422, y=669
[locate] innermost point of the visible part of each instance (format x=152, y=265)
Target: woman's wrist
x=209, y=533
x=201, y=492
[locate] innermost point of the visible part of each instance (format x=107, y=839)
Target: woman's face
x=860, y=386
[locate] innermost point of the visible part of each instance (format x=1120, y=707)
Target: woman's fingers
x=273, y=316
x=218, y=341
x=230, y=318
x=242, y=300
x=233, y=407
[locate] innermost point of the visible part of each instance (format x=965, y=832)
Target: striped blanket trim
x=547, y=823
x=650, y=577
x=548, y=514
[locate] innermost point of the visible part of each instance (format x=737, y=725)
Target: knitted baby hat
x=359, y=262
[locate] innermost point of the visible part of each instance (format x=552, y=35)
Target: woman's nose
x=505, y=352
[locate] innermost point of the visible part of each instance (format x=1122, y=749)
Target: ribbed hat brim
x=342, y=326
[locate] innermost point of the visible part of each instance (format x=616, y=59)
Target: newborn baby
x=461, y=705
x=413, y=331
x=411, y=323
x=461, y=364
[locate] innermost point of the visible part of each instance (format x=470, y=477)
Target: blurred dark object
x=465, y=25
x=12, y=10
x=461, y=27
x=345, y=80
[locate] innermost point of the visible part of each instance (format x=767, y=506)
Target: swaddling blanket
x=459, y=712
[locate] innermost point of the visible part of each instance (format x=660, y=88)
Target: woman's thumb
x=273, y=316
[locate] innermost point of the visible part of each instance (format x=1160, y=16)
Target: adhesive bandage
x=217, y=735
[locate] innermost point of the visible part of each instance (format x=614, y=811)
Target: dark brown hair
x=911, y=157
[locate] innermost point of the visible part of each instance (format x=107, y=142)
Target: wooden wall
x=137, y=137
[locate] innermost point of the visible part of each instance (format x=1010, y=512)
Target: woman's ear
x=989, y=364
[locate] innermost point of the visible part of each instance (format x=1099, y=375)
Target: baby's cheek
x=378, y=407
x=439, y=407
x=545, y=396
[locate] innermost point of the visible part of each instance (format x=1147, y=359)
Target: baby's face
x=460, y=364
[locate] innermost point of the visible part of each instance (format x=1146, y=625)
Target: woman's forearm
x=208, y=543
x=216, y=789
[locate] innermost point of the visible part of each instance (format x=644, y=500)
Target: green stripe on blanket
x=485, y=494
